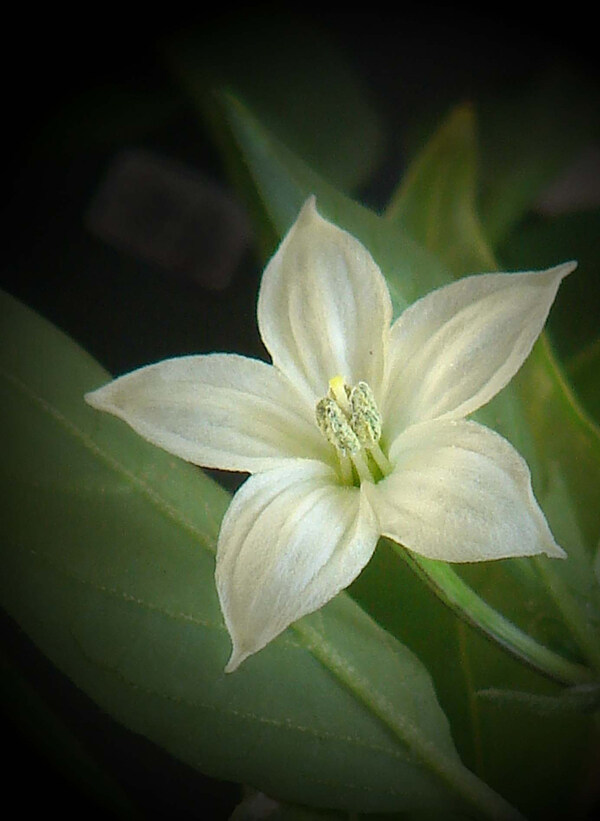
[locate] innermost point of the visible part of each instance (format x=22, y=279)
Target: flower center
x=350, y=420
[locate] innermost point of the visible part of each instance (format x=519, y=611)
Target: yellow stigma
x=339, y=391
x=336, y=383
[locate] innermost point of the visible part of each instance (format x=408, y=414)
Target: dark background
x=60, y=74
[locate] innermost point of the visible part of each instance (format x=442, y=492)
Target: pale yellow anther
x=335, y=427
x=365, y=420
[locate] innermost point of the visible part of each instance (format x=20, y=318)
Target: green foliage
x=382, y=700
x=245, y=54
x=539, y=414
x=584, y=369
x=108, y=566
x=436, y=201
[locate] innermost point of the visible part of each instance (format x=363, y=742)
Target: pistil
x=341, y=393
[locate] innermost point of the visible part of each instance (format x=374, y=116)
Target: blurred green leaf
x=435, y=203
x=571, y=583
x=584, y=371
x=332, y=124
x=108, y=566
x=564, y=435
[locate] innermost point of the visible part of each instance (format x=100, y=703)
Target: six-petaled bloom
x=357, y=429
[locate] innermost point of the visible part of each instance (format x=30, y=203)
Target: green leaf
x=335, y=126
x=108, y=566
x=584, y=371
x=435, y=203
x=572, y=583
x=564, y=435
x=282, y=182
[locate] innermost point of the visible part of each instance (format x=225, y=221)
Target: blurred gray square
x=169, y=215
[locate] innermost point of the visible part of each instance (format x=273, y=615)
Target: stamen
x=383, y=463
x=350, y=420
x=365, y=419
x=360, y=463
x=346, y=469
x=335, y=427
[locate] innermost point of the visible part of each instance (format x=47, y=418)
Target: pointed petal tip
x=94, y=398
x=566, y=268
x=553, y=551
x=236, y=658
x=102, y=398
x=308, y=211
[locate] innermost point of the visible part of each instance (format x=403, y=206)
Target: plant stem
x=467, y=604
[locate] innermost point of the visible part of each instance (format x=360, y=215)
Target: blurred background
x=122, y=227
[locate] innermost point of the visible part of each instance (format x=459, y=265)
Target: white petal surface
x=455, y=348
x=290, y=541
x=461, y=493
x=220, y=410
x=324, y=308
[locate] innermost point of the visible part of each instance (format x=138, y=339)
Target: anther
x=365, y=419
x=335, y=427
x=350, y=420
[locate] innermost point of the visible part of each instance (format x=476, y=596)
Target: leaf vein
x=282, y=724
x=207, y=539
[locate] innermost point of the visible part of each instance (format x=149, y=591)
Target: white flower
x=356, y=430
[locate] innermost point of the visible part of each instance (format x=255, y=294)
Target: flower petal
x=324, y=308
x=455, y=348
x=461, y=493
x=290, y=541
x=219, y=410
